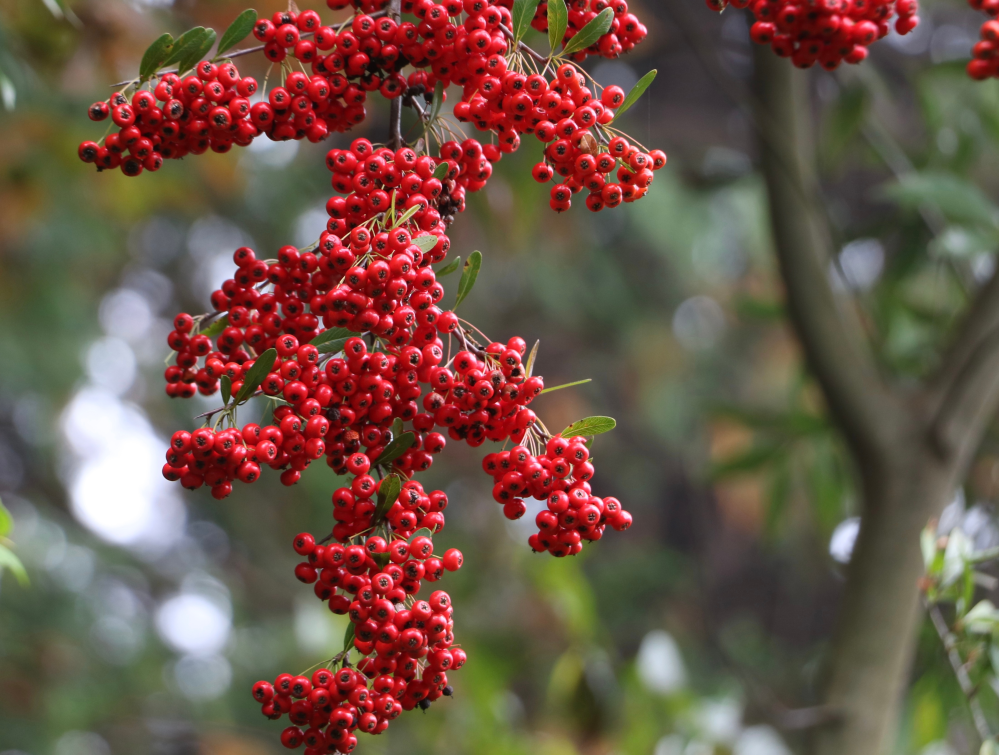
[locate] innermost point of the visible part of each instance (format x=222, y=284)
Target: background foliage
x=150, y=613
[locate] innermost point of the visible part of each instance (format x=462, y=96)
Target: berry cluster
x=626, y=31
x=560, y=476
x=985, y=54
x=213, y=107
x=409, y=648
x=826, y=32
x=566, y=117
x=347, y=337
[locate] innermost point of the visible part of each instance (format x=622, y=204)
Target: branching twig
x=520, y=45
x=950, y=645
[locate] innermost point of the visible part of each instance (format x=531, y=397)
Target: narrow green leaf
x=636, y=91
x=590, y=33
x=558, y=22
x=388, y=493
x=438, y=102
x=11, y=562
x=449, y=268
x=566, y=385
x=332, y=347
x=532, y=357
x=216, y=327
x=406, y=215
x=348, y=637
x=6, y=521
x=187, y=42
x=197, y=53
x=397, y=427
x=426, y=243
x=441, y=171
x=154, y=56
x=226, y=385
x=238, y=31
x=522, y=15
x=381, y=559
x=8, y=93
x=331, y=334
x=422, y=532
x=589, y=426
x=468, y=275
x=399, y=445
x=261, y=366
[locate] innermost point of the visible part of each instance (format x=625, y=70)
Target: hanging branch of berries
x=347, y=337
x=826, y=32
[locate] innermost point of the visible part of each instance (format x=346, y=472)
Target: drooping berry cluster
x=348, y=338
x=560, y=476
x=826, y=32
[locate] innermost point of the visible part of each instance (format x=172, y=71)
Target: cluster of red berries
x=565, y=115
x=408, y=644
x=626, y=30
x=826, y=32
x=372, y=178
x=211, y=108
x=984, y=63
x=348, y=337
x=560, y=476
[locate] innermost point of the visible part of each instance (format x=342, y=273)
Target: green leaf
x=566, y=385
x=388, y=493
x=331, y=334
x=438, y=101
x=332, y=347
x=185, y=44
x=381, y=559
x=6, y=521
x=12, y=563
x=450, y=267
x=194, y=49
x=956, y=198
x=522, y=15
x=216, y=327
x=406, y=215
x=468, y=275
x=532, y=357
x=348, y=636
x=590, y=33
x=422, y=532
x=558, y=22
x=748, y=461
x=792, y=424
x=226, y=385
x=396, y=448
x=154, y=56
x=983, y=618
x=261, y=366
x=238, y=31
x=928, y=547
x=589, y=426
x=441, y=171
x=397, y=427
x=636, y=91
x=426, y=243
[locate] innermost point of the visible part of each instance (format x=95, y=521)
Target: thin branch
x=831, y=334
x=950, y=645
x=395, y=108
x=524, y=48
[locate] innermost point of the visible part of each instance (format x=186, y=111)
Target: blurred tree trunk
x=910, y=444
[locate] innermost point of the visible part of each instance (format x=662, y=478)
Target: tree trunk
x=907, y=446
x=868, y=666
